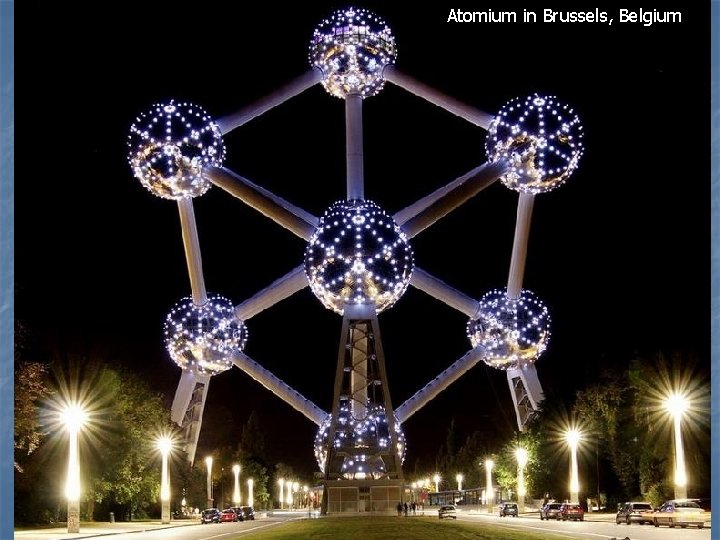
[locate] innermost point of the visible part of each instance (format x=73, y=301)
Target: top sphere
x=358, y=255
x=540, y=138
x=351, y=48
x=170, y=145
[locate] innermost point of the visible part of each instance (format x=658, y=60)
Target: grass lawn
x=391, y=528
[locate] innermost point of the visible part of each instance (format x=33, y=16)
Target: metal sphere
x=514, y=333
x=351, y=48
x=361, y=441
x=203, y=338
x=170, y=145
x=540, y=138
x=358, y=255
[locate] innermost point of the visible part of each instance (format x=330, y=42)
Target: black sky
x=620, y=254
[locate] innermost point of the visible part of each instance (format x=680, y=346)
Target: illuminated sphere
x=358, y=255
x=540, y=138
x=170, y=145
x=352, y=48
x=362, y=441
x=203, y=338
x=514, y=333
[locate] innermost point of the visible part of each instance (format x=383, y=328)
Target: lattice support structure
x=526, y=393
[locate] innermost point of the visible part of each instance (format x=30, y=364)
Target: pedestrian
x=399, y=508
x=405, y=507
x=413, y=507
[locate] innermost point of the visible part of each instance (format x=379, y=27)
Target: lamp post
x=281, y=482
x=522, y=458
x=236, y=488
x=677, y=404
x=164, y=444
x=436, y=480
x=573, y=437
x=489, y=493
x=251, y=498
x=208, y=465
x=288, y=496
x=295, y=487
x=459, y=477
x=74, y=418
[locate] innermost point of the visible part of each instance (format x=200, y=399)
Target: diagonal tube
x=444, y=292
x=430, y=391
x=192, y=251
x=445, y=200
x=282, y=94
x=282, y=390
x=278, y=290
x=293, y=218
x=520, y=245
x=354, y=147
x=458, y=108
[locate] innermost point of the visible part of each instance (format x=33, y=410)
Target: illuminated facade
x=358, y=259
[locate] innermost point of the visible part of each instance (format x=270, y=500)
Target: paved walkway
x=90, y=529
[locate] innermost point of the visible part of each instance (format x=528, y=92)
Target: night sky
x=620, y=254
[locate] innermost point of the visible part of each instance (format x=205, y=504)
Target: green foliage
x=31, y=388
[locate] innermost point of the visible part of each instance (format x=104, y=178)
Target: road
x=604, y=528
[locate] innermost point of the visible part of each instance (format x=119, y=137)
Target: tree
x=31, y=388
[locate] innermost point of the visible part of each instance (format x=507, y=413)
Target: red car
x=228, y=515
x=571, y=511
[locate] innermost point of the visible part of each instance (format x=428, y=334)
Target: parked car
x=247, y=512
x=228, y=514
x=508, y=509
x=680, y=512
x=571, y=511
x=550, y=510
x=447, y=511
x=210, y=515
x=634, y=512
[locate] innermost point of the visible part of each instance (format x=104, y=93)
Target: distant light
x=351, y=48
x=203, y=338
x=514, y=333
x=170, y=145
x=676, y=404
x=358, y=255
x=573, y=437
x=522, y=457
x=164, y=444
x=540, y=138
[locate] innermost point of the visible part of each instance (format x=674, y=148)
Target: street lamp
x=236, y=489
x=74, y=417
x=489, y=494
x=281, y=482
x=288, y=496
x=522, y=458
x=295, y=487
x=459, y=477
x=164, y=444
x=208, y=465
x=573, y=437
x=251, y=499
x=436, y=479
x=677, y=404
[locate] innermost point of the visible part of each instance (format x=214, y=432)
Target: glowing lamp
x=202, y=338
x=170, y=145
x=358, y=255
x=351, y=48
x=540, y=138
x=514, y=333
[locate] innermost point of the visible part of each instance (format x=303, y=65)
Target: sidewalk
x=98, y=528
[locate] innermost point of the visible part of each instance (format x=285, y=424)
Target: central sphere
x=351, y=48
x=358, y=255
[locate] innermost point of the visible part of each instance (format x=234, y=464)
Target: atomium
x=170, y=145
x=358, y=255
x=541, y=139
x=203, y=338
x=359, y=441
x=351, y=48
x=514, y=333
